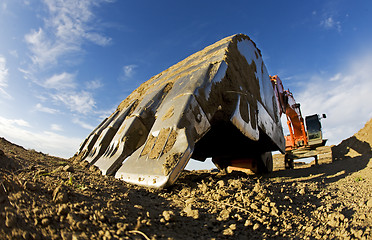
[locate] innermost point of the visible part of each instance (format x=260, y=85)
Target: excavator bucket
x=218, y=102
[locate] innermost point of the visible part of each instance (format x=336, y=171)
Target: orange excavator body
x=297, y=137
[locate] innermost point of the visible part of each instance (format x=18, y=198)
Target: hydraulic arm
x=292, y=110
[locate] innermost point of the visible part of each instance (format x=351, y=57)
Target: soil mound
x=357, y=145
x=7, y=163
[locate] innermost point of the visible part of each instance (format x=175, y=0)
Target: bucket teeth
x=153, y=133
x=168, y=146
x=129, y=137
x=100, y=139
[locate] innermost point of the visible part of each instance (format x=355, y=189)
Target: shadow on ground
x=350, y=156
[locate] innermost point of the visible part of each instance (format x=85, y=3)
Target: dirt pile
x=365, y=134
x=44, y=197
x=357, y=145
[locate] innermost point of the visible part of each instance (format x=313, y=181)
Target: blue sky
x=66, y=65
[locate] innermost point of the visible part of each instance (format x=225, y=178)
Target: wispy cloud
x=95, y=84
x=55, y=127
x=4, y=6
x=336, y=77
x=20, y=122
x=330, y=23
x=26, y=73
x=68, y=25
x=60, y=81
x=47, y=142
x=129, y=71
x=39, y=107
x=14, y=122
x=66, y=92
x=344, y=96
x=80, y=102
x=82, y=124
x=3, y=78
x=14, y=53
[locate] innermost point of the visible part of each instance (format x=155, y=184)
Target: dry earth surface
x=45, y=197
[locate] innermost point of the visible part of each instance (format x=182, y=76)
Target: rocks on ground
x=44, y=197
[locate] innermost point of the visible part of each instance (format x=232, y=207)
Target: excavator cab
x=314, y=146
x=314, y=130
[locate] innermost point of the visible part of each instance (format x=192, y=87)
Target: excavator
x=301, y=142
x=218, y=103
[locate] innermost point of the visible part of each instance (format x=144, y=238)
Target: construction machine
x=218, y=103
x=303, y=140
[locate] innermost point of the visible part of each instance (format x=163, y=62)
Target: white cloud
x=331, y=23
x=60, y=81
x=14, y=53
x=41, y=98
x=66, y=93
x=21, y=122
x=14, y=122
x=95, y=84
x=26, y=73
x=345, y=97
x=82, y=102
x=3, y=72
x=47, y=142
x=56, y=127
x=3, y=78
x=83, y=124
x=4, y=6
x=39, y=107
x=98, y=39
x=46, y=51
x=335, y=77
x=4, y=94
x=128, y=70
x=68, y=25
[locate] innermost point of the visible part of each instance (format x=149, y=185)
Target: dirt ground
x=45, y=197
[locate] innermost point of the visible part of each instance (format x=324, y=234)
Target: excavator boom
x=292, y=110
